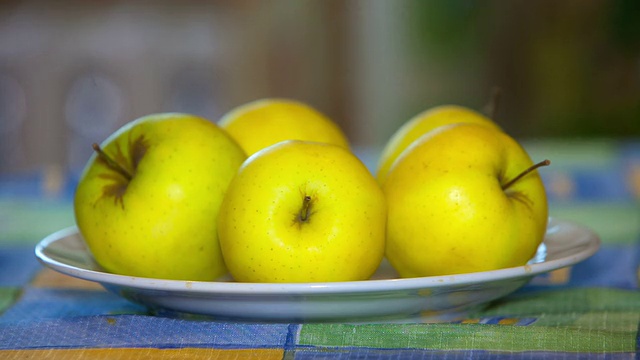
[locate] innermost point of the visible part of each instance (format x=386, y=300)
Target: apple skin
x=161, y=224
x=260, y=123
x=421, y=124
x=448, y=212
x=262, y=237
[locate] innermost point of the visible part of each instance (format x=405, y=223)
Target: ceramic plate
x=383, y=298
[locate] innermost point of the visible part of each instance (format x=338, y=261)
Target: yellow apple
x=301, y=211
x=147, y=201
x=463, y=198
x=264, y=122
x=422, y=123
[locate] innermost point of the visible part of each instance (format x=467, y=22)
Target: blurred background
x=72, y=72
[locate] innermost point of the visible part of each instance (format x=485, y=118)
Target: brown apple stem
x=522, y=174
x=491, y=108
x=112, y=163
x=306, y=208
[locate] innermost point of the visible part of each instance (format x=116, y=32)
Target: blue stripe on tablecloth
x=612, y=266
x=18, y=266
x=291, y=342
x=54, y=303
x=30, y=185
x=139, y=331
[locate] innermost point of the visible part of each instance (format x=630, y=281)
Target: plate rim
x=352, y=287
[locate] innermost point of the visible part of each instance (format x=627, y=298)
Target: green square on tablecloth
x=567, y=320
x=615, y=223
x=8, y=296
x=468, y=337
x=29, y=221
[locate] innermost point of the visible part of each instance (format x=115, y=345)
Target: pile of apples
x=273, y=193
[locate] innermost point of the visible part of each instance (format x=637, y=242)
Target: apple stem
x=545, y=162
x=491, y=108
x=306, y=206
x=112, y=163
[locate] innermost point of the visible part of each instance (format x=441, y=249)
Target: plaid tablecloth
x=591, y=310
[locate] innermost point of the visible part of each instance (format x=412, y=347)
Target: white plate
x=384, y=298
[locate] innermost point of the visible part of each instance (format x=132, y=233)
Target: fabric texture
x=588, y=311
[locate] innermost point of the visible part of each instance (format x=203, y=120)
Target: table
x=591, y=310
